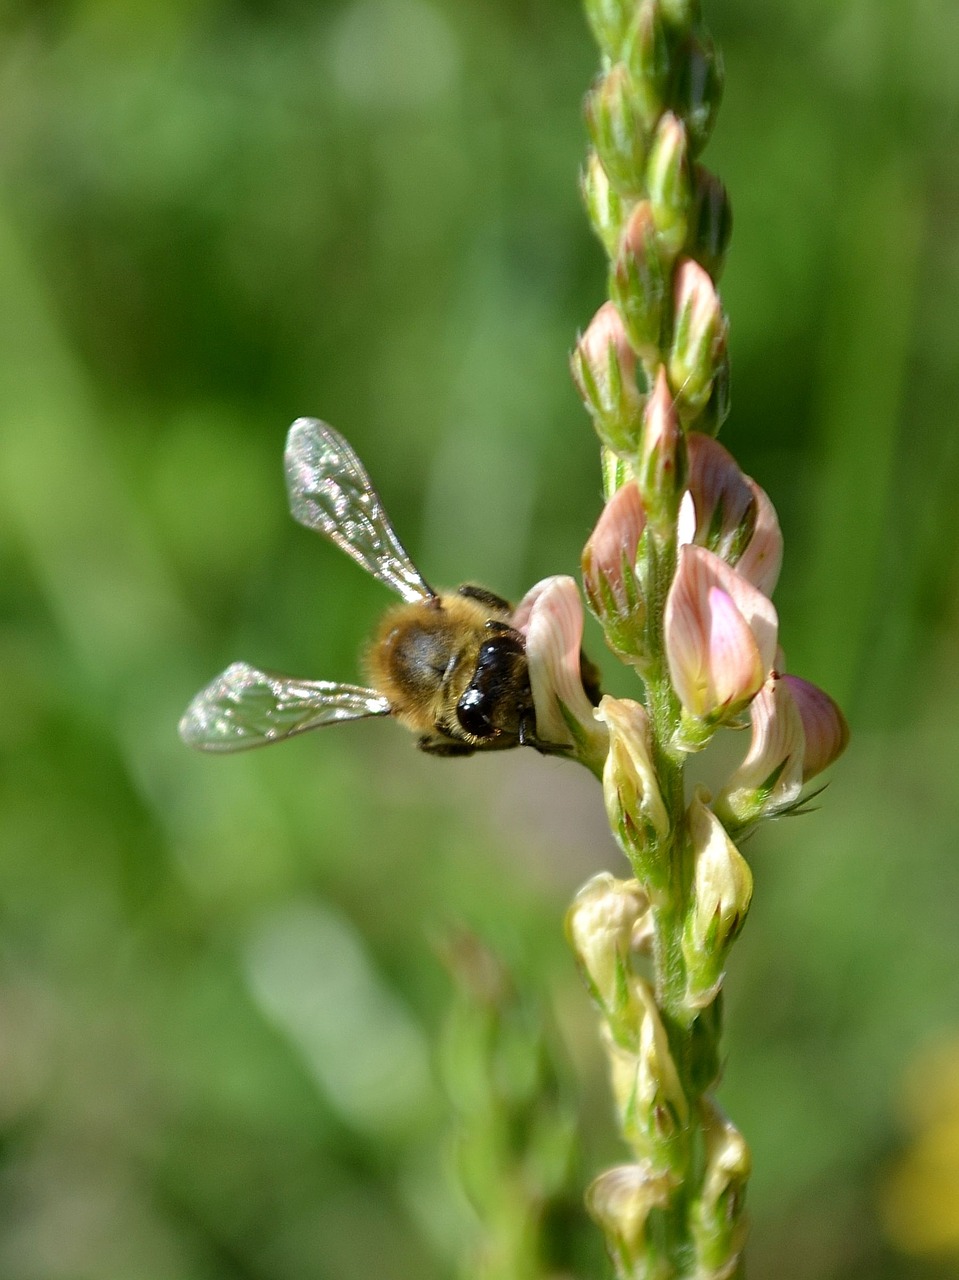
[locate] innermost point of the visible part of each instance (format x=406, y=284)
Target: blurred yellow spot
x=920, y=1199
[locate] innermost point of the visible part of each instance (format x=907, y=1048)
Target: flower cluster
x=680, y=571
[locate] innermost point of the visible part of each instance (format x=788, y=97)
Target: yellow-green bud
x=620, y=1201
x=634, y=803
x=717, y=1220
x=606, y=916
x=649, y=1097
x=722, y=890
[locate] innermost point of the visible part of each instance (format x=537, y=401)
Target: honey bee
x=448, y=666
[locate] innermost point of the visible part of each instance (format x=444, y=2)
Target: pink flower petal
x=726, y=502
x=824, y=725
x=762, y=560
x=551, y=615
x=735, y=665
x=770, y=777
x=614, y=541
x=720, y=635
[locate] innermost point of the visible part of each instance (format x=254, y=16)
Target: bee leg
x=437, y=746
x=489, y=598
x=527, y=738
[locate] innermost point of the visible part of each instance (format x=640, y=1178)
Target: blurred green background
x=223, y=981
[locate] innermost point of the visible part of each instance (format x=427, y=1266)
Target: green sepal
x=648, y=57
x=668, y=184
x=616, y=471
x=639, y=281
x=716, y=410
x=617, y=414
x=606, y=208
x=617, y=129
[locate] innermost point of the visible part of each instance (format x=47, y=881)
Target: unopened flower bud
x=604, y=370
x=620, y=1201
x=662, y=467
x=550, y=615
x=727, y=512
x=769, y=779
x=639, y=281
x=631, y=791
x=647, y=54
x=617, y=129
x=610, y=22
x=699, y=336
x=720, y=639
x=824, y=726
x=699, y=90
x=609, y=573
x=710, y=221
x=606, y=208
x=668, y=183
x=601, y=924
x=722, y=889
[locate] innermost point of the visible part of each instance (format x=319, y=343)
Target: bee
x=448, y=666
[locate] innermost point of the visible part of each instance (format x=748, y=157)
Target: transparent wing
x=331, y=493
x=245, y=707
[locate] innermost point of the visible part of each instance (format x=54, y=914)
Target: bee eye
x=469, y=712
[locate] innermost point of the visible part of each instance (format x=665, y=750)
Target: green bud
x=604, y=370
x=647, y=55
x=710, y=222
x=617, y=129
x=610, y=22
x=662, y=468
x=639, y=282
x=609, y=574
x=699, y=337
x=668, y=184
x=607, y=210
x=697, y=89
